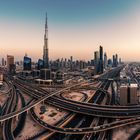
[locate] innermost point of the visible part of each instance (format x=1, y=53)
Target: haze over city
x=75, y=28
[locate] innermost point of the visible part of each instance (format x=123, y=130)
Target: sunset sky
x=76, y=27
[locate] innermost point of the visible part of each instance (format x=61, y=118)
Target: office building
x=128, y=94
x=133, y=94
x=105, y=60
x=120, y=61
x=82, y=64
x=114, y=59
x=123, y=95
x=10, y=64
x=27, y=63
x=116, y=62
x=71, y=63
x=109, y=63
x=96, y=62
x=3, y=62
x=92, y=62
x=45, y=74
x=40, y=64
x=35, y=73
x=101, y=68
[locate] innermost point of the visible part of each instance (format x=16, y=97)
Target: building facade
x=45, y=48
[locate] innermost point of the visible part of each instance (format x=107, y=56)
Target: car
x=97, y=127
x=107, y=125
x=87, y=135
x=103, y=126
x=57, y=109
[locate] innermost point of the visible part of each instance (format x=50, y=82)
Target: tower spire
x=46, y=27
x=45, y=50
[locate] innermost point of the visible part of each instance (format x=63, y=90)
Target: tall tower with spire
x=45, y=48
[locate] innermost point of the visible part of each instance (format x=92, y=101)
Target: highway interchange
x=98, y=115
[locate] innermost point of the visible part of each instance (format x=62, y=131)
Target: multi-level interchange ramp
x=98, y=110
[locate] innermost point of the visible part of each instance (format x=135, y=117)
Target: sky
x=76, y=27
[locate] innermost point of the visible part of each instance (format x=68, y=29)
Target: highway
x=22, y=117
x=91, y=109
x=7, y=125
x=80, y=121
x=28, y=107
x=96, y=121
x=63, y=122
x=81, y=130
x=87, y=108
x=99, y=128
x=102, y=121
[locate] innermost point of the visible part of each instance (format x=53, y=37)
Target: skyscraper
x=45, y=49
x=120, y=61
x=3, y=62
x=71, y=63
x=101, y=60
x=96, y=62
x=27, y=63
x=10, y=64
x=105, y=60
x=109, y=62
x=114, y=59
x=40, y=64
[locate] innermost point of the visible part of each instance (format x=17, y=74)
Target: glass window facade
x=27, y=62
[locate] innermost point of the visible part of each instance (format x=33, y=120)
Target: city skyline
x=69, y=69
x=75, y=32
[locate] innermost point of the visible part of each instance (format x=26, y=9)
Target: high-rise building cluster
x=98, y=61
x=68, y=64
x=101, y=61
x=45, y=69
